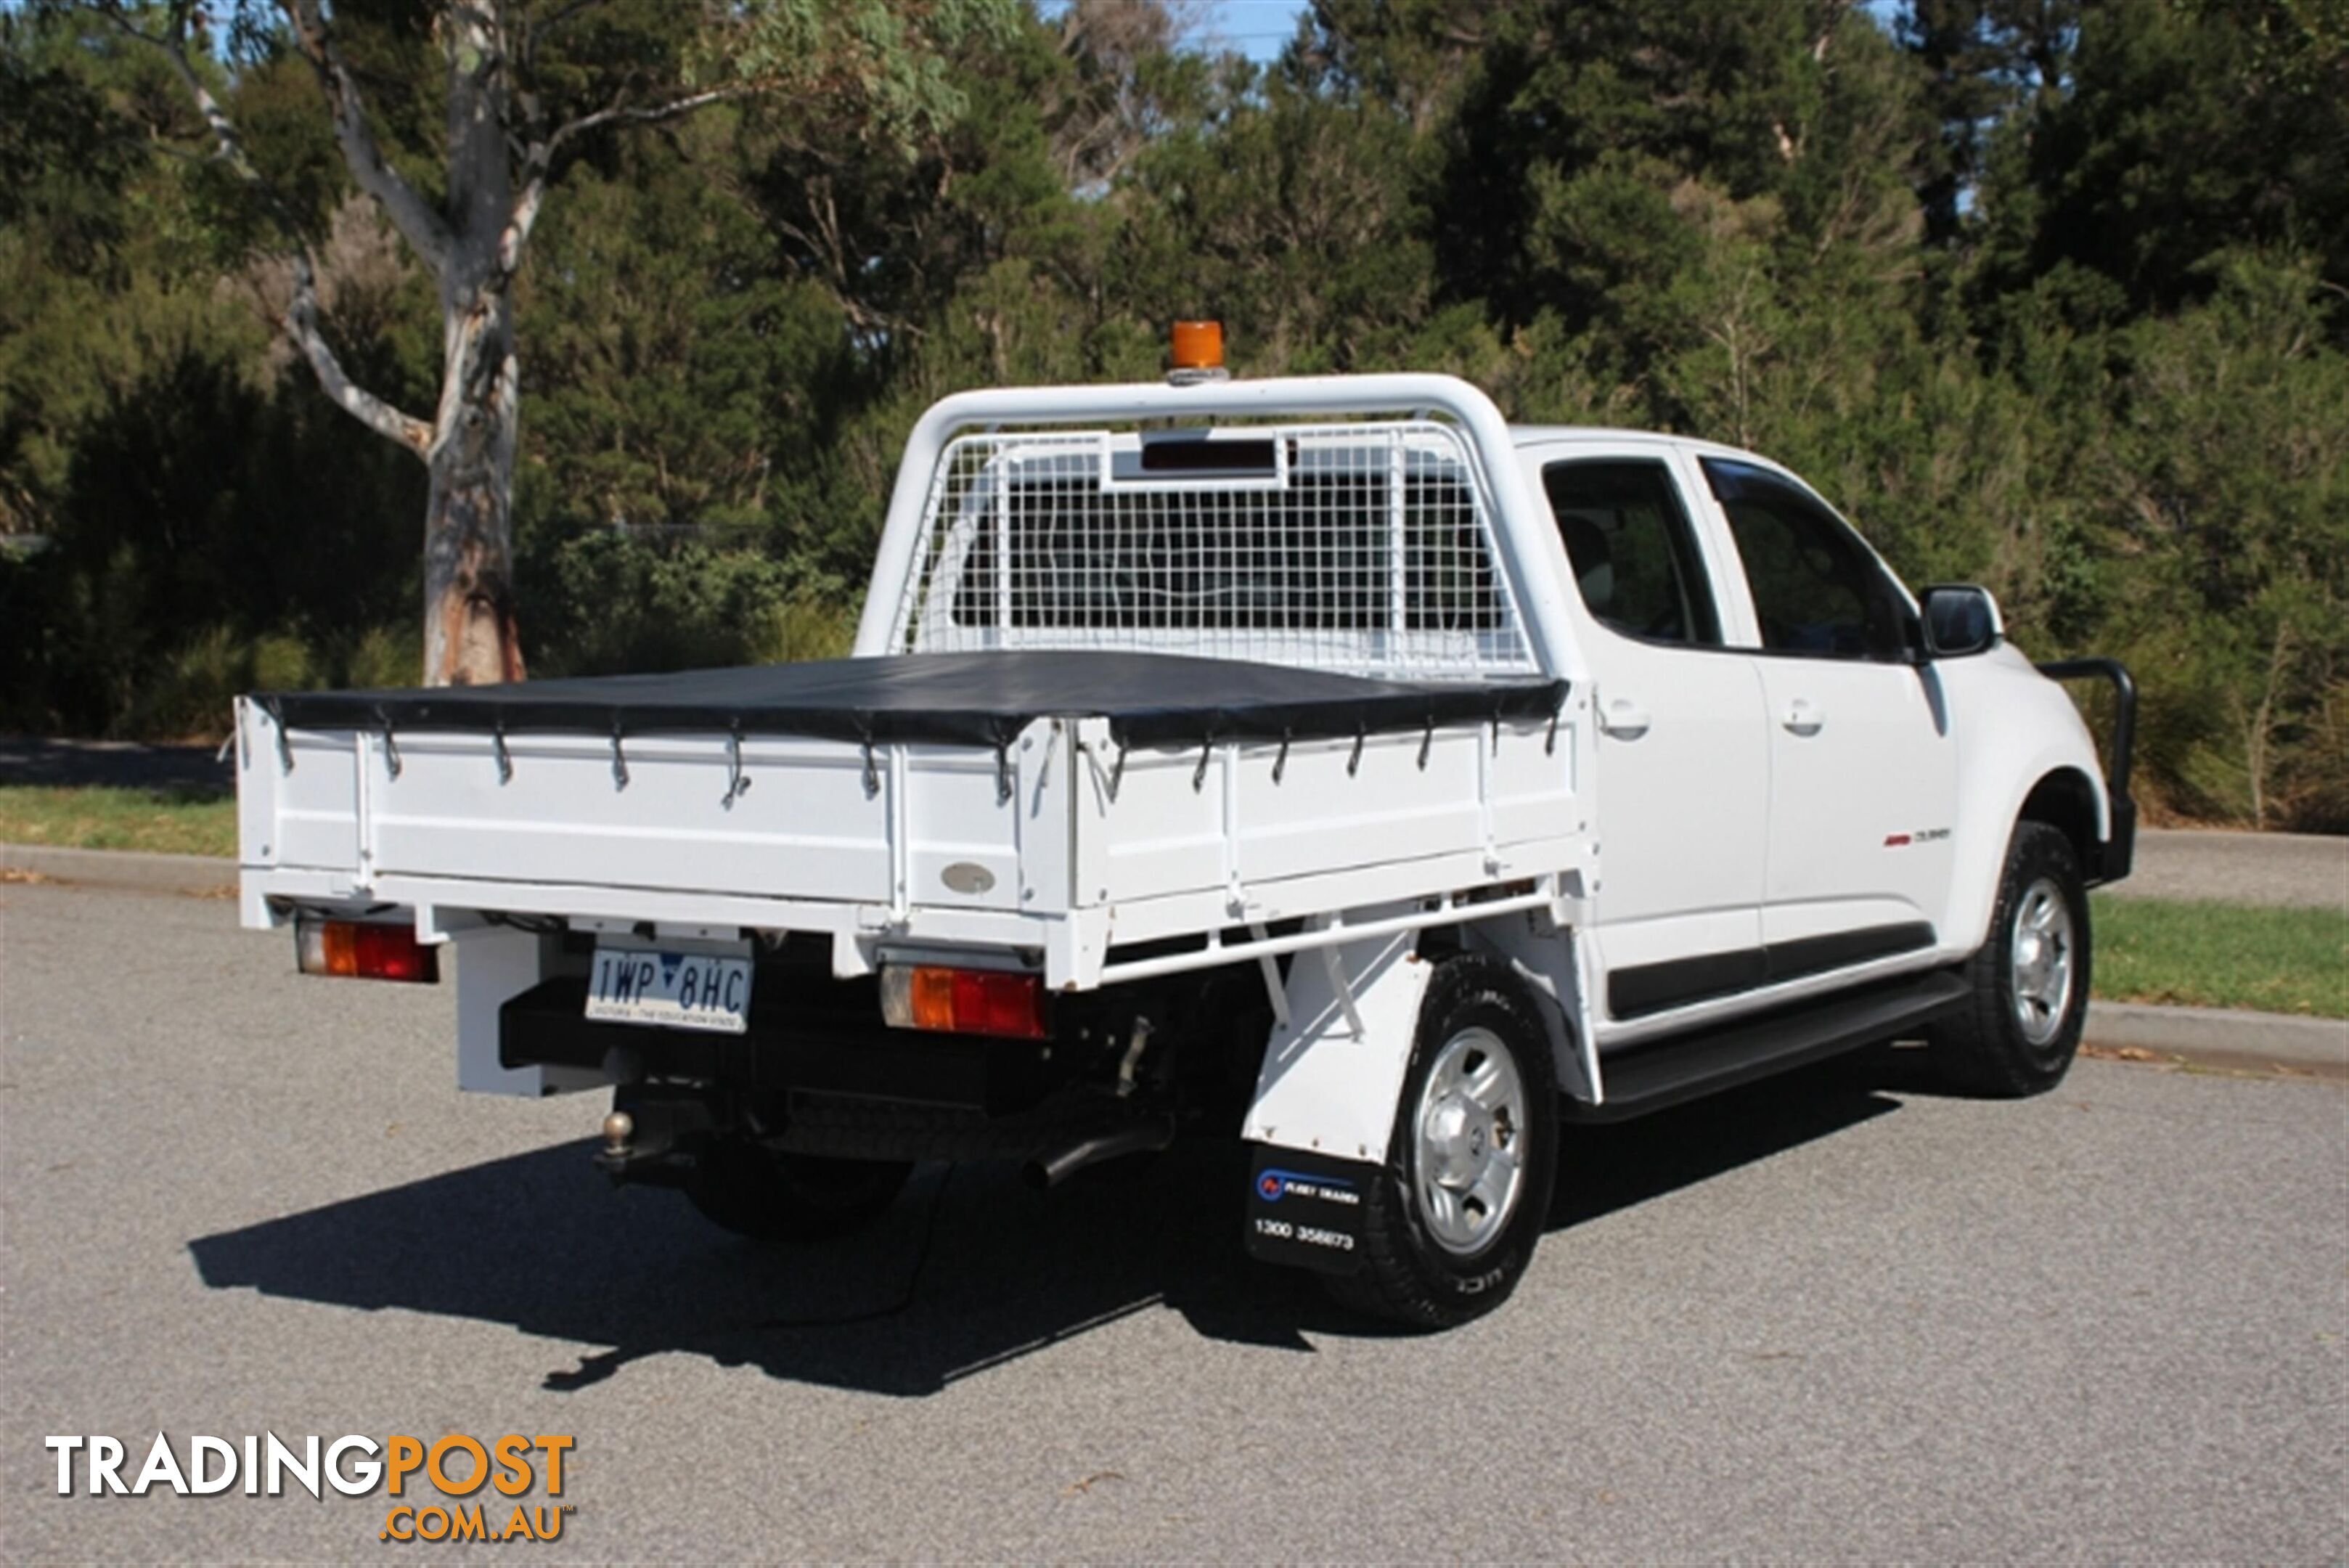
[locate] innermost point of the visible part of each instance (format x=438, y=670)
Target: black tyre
x=2019, y=1031
x=756, y=1191
x=1451, y=1223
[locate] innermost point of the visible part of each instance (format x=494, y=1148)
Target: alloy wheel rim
x=1469, y=1136
x=2041, y=956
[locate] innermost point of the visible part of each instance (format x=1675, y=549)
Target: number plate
x=671, y=989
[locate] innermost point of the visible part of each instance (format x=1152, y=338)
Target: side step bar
x=1652, y=1076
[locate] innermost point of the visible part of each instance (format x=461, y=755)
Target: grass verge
x=166, y=821
x=2222, y=955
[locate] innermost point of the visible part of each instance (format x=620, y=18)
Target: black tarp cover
x=981, y=699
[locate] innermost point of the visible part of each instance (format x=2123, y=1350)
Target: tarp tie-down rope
x=390, y=745
x=737, y=782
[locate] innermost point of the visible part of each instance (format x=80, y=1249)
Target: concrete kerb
x=123, y=869
x=2216, y=1037
x=2210, y=1036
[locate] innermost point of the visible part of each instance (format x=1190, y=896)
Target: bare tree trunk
x=2258, y=732
x=469, y=629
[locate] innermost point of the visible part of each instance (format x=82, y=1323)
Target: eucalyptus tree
x=522, y=88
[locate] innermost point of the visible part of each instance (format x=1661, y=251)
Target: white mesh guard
x=1360, y=547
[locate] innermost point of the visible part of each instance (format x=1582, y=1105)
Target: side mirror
x=1959, y=619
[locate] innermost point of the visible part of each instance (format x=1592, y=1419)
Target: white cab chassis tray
x=1063, y=844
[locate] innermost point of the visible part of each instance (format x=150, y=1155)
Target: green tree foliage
x=2173, y=130
x=2049, y=295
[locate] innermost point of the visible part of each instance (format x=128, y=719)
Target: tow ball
x=653, y=1137
x=619, y=1128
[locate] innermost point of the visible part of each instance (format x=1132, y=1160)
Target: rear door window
x=1627, y=537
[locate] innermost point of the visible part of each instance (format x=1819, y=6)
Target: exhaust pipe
x=1140, y=1138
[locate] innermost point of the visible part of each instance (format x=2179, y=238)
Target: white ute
x=1323, y=761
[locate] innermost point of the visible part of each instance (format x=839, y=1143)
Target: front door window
x=1816, y=589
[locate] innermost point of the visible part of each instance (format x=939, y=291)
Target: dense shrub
x=2054, y=297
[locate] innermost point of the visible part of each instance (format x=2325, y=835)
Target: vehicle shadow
x=968, y=1270
x=1606, y=1166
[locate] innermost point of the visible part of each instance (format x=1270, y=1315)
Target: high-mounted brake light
x=963, y=1001
x=1198, y=353
x=363, y=949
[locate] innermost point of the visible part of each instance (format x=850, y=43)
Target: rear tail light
x=363, y=949
x=963, y=1001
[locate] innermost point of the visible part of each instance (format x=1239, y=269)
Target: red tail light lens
x=990, y=1004
x=363, y=949
x=963, y=1001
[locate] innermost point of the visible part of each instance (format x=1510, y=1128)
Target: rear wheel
x=2019, y=1031
x=1449, y=1226
x=752, y=1191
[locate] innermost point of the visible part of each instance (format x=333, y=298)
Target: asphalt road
x=2301, y=869
x=123, y=765
x=1834, y=1318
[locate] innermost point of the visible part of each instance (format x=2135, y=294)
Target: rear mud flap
x=1305, y=1210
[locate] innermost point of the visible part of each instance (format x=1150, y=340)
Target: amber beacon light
x=1198, y=352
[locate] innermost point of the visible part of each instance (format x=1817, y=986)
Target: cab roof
x=1546, y=435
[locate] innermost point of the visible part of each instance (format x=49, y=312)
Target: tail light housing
x=1003, y=1002
x=362, y=950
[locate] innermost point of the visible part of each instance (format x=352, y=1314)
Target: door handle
x=1804, y=718
x=1623, y=719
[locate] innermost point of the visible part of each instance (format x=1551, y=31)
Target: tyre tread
x=1977, y=1050
x=1393, y=1284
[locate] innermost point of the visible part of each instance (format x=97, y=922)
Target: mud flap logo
x=1305, y=1210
